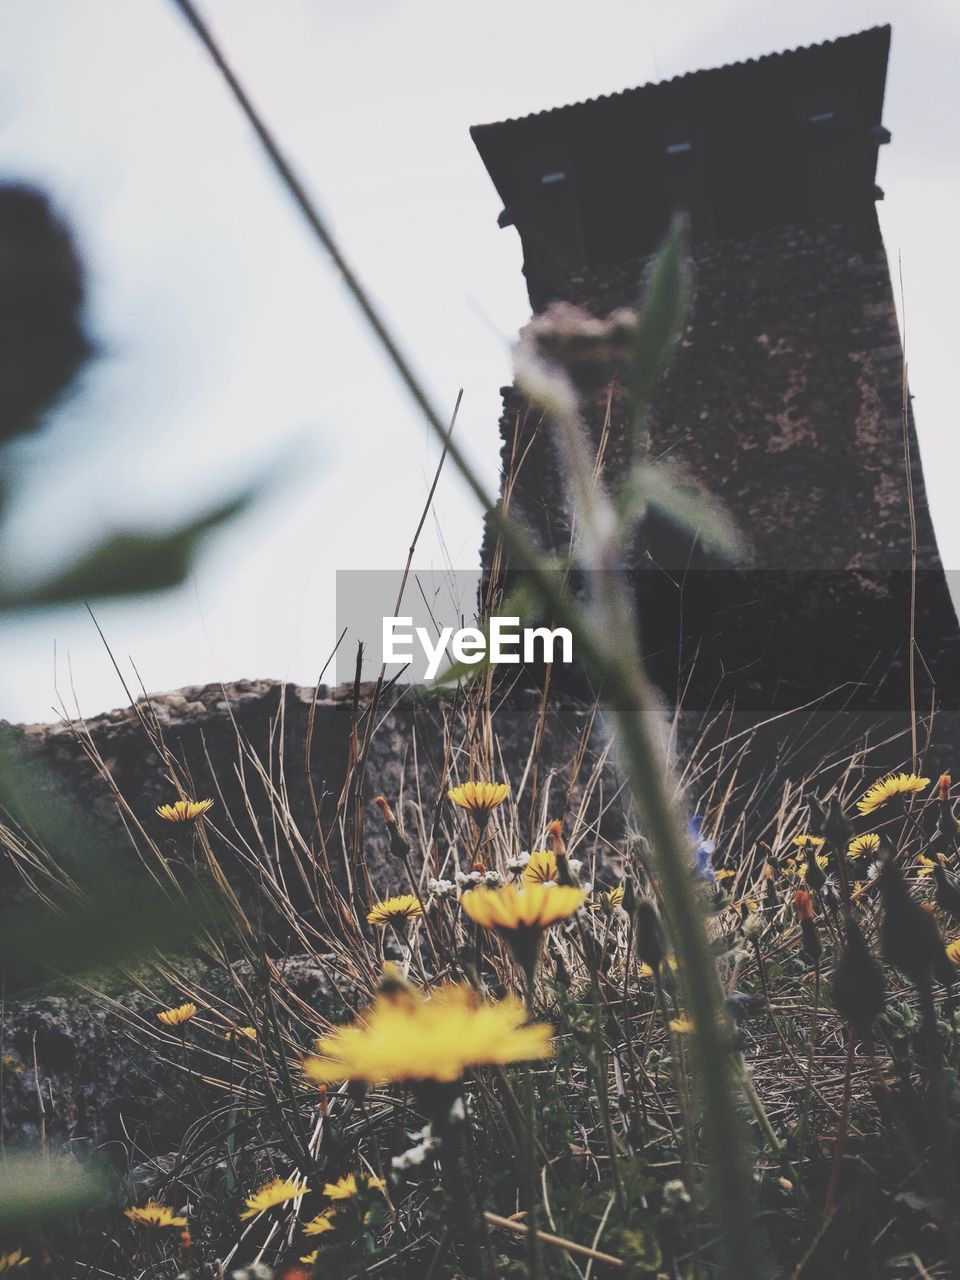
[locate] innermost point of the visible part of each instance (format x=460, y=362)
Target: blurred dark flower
x=42, y=343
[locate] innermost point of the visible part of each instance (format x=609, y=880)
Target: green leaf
x=661, y=485
x=663, y=315
x=463, y=672
x=640, y=1250
x=130, y=563
x=36, y=1189
x=106, y=911
x=113, y=924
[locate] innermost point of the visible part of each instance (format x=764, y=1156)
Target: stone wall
x=70, y=1065
x=783, y=400
x=214, y=730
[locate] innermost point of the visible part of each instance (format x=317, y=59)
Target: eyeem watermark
x=503, y=642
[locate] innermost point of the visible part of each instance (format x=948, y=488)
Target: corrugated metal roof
x=879, y=35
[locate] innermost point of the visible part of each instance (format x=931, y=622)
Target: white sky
x=226, y=338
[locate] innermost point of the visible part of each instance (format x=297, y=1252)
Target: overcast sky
x=226, y=339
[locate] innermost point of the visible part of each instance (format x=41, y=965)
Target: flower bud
x=910, y=936
x=858, y=988
x=648, y=933
x=399, y=844
x=752, y=926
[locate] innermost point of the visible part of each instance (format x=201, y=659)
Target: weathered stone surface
x=214, y=731
x=75, y=1072
x=784, y=398
x=100, y=1085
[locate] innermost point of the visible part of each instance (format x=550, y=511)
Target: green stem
x=530, y=1145
x=808, y=1077
x=608, y=648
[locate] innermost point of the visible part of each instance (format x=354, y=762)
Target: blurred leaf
x=661, y=486
x=461, y=672
x=663, y=314
x=114, y=924
x=639, y=1249
x=115, y=911
x=521, y=602
x=42, y=341
x=45, y=1189
x=129, y=563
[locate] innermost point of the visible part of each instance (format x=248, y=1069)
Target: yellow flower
x=273, y=1193
x=15, y=1259
x=868, y=844
x=647, y=972
x=803, y=840
x=896, y=784
x=480, y=798
x=724, y=873
x=512, y=910
x=178, y=1016
x=155, y=1215
x=405, y=1036
x=395, y=910
x=241, y=1033
x=796, y=868
x=318, y=1226
x=609, y=899
x=682, y=1025
x=953, y=951
x=346, y=1188
x=924, y=865
x=310, y=1258
x=184, y=810
x=541, y=868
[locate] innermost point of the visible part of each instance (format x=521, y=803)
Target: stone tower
x=785, y=398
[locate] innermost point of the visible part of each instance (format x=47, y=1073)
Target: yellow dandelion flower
x=310, y=1258
x=346, y=1188
x=276, y=1192
x=241, y=1033
x=646, y=970
x=319, y=1226
x=184, y=810
x=796, y=868
x=923, y=865
x=178, y=1016
x=512, y=910
x=724, y=873
x=8, y=1261
x=868, y=844
x=805, y=839
x=953, y=951
x=682, y=1025
x=479, y=798
x=609, y=899
x=395, y=910
x=405, y=1036
x=541, y=868
x=895, y=784
x=154, y=1215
